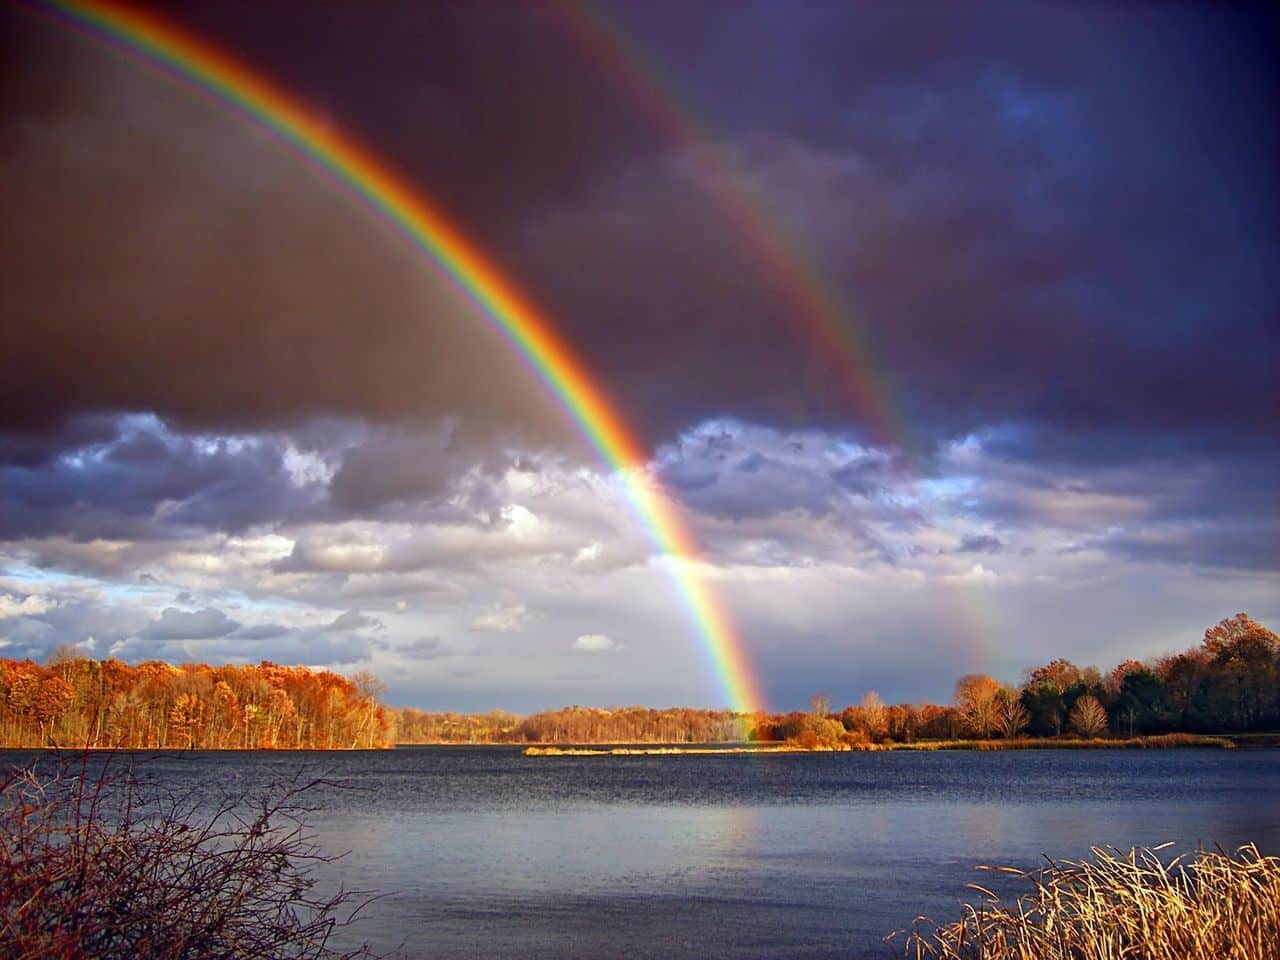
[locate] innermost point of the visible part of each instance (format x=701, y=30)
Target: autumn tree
x=874, y=715
x=187, y=718
x=1011, y=716
x=74, y=701
x=53, y=698
x=977, y=697
x=1088, y=717
x=368, y=688
x=1243, y=685
x=1058, y=674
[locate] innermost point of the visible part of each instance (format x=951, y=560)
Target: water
x=489, y=854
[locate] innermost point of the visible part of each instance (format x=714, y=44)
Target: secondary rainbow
x=192, y=59
x=824, y=317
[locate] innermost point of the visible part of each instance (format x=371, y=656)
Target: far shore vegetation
x=1223, y=692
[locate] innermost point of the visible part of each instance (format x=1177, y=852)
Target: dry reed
x=1157, y=742
x=1119, y=906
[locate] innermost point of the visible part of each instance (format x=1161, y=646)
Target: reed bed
x=1120, y=906
x=1163, y=741
x=669, y=751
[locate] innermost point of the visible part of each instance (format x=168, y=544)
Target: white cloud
x=501, y=618
x=520, y=521
x=29, y=606
x=595, y=643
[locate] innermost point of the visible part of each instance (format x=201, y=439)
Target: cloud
x=1011, y=175
x=980, y=543
x=501, y=618
x=142, y=479
x=595, y=643
x=262, y=631
x=1047, y=344
x=422, y=649
x=232, y=283
x=353, y=620
x=175, y=624
x=26, y=606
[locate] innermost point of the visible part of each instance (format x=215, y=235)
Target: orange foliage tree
x=74, y=701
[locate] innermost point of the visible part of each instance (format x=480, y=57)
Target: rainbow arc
x=445, y=245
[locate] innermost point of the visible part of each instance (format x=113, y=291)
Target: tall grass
x=1213, y=906
x=1159, y=742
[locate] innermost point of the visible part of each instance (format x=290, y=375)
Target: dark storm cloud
x=732, y=470
x=1063, y=214
x=1207, y=508
x=398, y=465
x=162, y=254
x=136, y=479
x=1252, y=545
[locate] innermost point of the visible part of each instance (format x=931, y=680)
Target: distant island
x=1227, y=685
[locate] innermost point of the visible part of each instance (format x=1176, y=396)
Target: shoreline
x=1224, y=741
x=1161, y=742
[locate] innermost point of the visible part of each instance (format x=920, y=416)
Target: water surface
x=489, y=854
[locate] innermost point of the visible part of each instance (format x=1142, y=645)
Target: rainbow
x=825, y=319
x=190, y=59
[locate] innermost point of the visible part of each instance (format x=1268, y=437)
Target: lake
x=490, y=854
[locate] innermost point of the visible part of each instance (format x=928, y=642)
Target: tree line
x=573, y=725
x=75, y=702
x=1230, y=682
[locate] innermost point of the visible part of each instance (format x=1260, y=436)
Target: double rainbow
x=444, y=244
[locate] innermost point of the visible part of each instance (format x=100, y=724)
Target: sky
x=951, y=331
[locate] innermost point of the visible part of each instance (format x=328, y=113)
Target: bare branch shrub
x=96, y=862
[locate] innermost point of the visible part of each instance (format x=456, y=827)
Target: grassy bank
x=662, y=751
x=1213, y=905
x=1162, y=742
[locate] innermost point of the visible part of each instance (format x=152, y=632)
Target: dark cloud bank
x=1066, y=215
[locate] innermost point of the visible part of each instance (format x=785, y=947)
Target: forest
x=1229, y=683
x=76, y=702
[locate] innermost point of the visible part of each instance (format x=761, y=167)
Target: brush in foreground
x=1213, y=905
x=97, y=864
